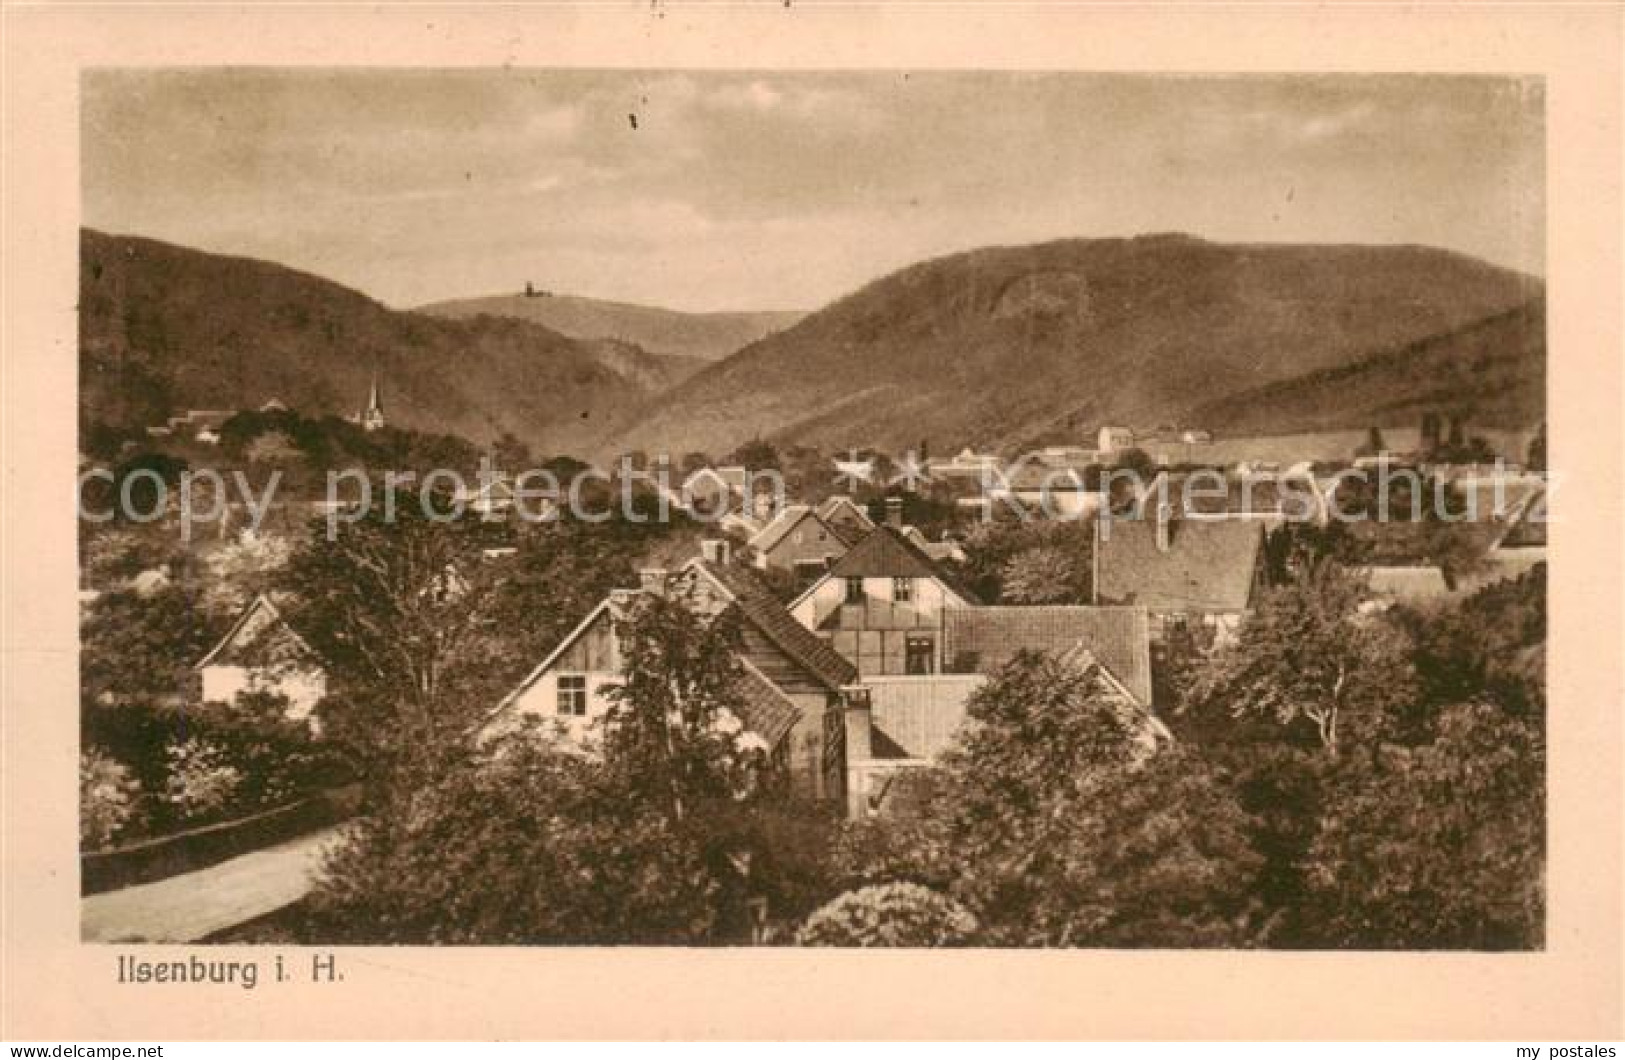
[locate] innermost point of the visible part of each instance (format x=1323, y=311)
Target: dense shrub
x=108, y=799
x=525, y=847
x=276, y=760
x=201, y=783
x=891, y=914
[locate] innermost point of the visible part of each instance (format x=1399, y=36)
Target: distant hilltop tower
x=372, y=418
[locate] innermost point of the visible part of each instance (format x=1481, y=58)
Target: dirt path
x=193, y=905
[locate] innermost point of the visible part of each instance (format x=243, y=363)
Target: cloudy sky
x=783, y=191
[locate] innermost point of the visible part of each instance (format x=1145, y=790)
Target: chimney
x=652, y=580
x=894, y=512
x=857, y=719
x=718, y=550
x=1165, y=515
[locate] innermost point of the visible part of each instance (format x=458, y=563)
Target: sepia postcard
x=530, y=521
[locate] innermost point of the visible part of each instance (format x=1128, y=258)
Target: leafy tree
x=1043, y=575
x=510, y=454
x=272, y=447
x=755, y=454
x=397, y=608
x=1297, y=547
x=991, y=547
x=673, y=734
x=521, y=847
x=1058, y=822
x=135, y=647
x=1137, y=461
x=1309, y=658
x=563, y=570
x=1438, y=846
x=1490, y=646
x=137, y=478
x=1160, y=855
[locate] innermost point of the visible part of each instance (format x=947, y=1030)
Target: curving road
x=194, y=905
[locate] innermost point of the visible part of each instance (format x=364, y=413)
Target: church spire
x=373, y=418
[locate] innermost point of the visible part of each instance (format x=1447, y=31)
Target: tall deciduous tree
x=1440, y=845
x=674, y=733
x=1059, y=822
x=1310, y=656
x=1044, y=575
x=397, y=606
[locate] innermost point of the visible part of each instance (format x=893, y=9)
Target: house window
x=902, y=589
x=918, y=655
x=854, y=590
x=573, y=695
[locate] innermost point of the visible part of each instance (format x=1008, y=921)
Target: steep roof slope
x=983, y=639
x=1209, y=566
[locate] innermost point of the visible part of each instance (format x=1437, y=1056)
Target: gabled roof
x=608, y=605
x=983, y=639
x=842, y=505
x=885, y=553
x=765, y=709
x=1294, y=496
x=758, y=606
x=1209, y=565
x=244, y=631
x=787, y=520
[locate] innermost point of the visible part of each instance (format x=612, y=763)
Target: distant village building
x=967, y=463
x=1044, y=490
x=263, y=653
x=495, y=499
x=201, y=425
x=1069, y=456
x=844, y=515
x=716, y=489
x=1114, y=440
x=1414, y=585
x=798, y=539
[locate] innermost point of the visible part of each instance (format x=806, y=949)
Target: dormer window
x=854, y=590
x=902, y=589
